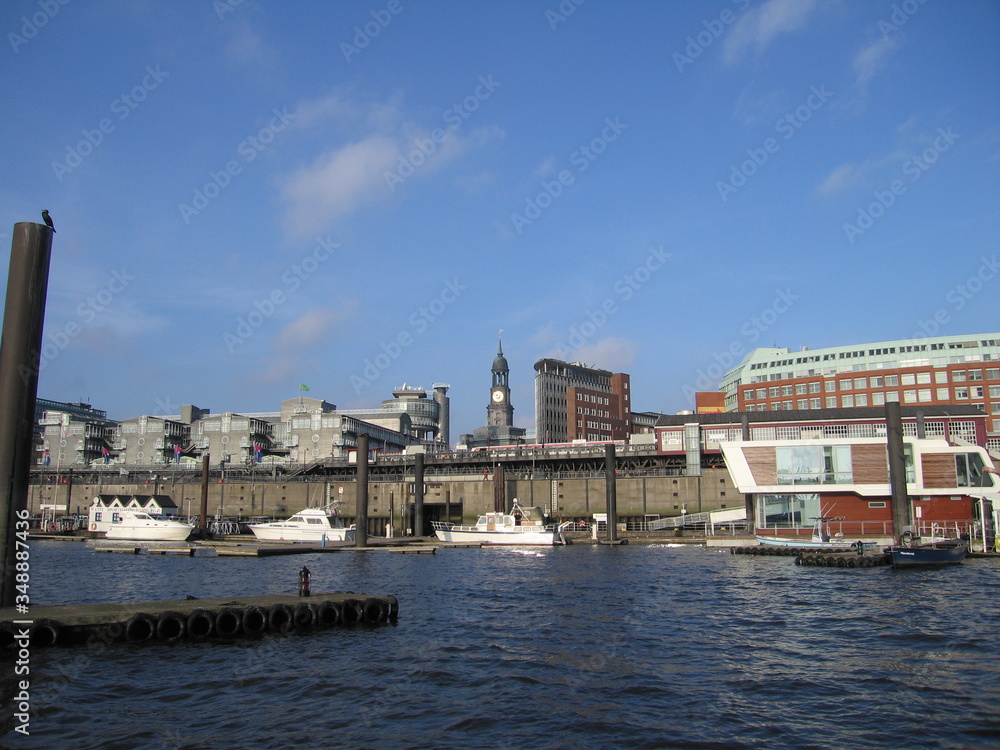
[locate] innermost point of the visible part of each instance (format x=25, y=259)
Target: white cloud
x=338, y=182
x=869, y=61
x=612, y=353
x=309, y=330
x=386, y=152
x=839, y=179
x=758, y=27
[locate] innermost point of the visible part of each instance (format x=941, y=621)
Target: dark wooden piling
x=20, y=359
x=418, y=494
x=361, y=522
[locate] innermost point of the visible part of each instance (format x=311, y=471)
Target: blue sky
x=253, y=195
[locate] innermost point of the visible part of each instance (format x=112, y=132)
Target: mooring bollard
x=304, y=581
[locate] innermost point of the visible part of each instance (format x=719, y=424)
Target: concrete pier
x=194, y=619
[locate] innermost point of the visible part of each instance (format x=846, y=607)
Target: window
x=786, y=390
x=958, y=376
x=831, y=402
x=819, y=464
x=847, y=401
x=860, y=383
x=993, y=374
x=876, y=504
x=943, y=394
x=995, y=391
x=961, y=393
x=802, y=403
x=877, y=381
x=909, y=379
x=774, y=391
x=861, y=399
x=924, y=395
x=975, y=374
x=801, y=389
x=831, y=385
x=892, y=395
x=909, y=397
x=816, y=403
x=892, y=380
x=845, y=385
x=969, y=467
x=815, y=387
x=787, y=511
x=941, y=376
x=878, y=399
x=923, y=378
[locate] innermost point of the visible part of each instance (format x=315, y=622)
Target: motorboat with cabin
x=142, y=527
x=521, y=526
x=310, y=525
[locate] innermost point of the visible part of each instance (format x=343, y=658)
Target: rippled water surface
x=578, y=647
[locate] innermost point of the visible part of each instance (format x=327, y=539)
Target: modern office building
x=940, y=370
x=429, y=416
x=577, y=402
x=791, y=467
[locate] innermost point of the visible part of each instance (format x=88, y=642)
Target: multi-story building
x=429, y=417
x=304, y=431
x=959, y=370
x=794, y=466
x=577, y=402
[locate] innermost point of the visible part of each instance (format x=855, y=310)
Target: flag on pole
x=303, y=387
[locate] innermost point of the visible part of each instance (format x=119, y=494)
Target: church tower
x=500, y=412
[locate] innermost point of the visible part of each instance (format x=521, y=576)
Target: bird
x=48, y=220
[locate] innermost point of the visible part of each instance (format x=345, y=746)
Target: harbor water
x=638, y=646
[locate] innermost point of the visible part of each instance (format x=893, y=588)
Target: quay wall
x=457, y=498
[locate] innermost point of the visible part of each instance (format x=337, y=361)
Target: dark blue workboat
x=946, y=552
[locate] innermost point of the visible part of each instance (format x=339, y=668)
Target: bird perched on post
x=48, y=219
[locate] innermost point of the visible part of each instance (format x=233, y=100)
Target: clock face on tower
x=497, y=397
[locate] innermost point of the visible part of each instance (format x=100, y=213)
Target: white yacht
x=142, y=527
x=309, y=525
x=520, y=526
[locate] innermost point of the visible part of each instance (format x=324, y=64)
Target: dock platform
x=192, y=619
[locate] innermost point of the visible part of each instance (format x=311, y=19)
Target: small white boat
x=520, y=526
x=142, y=527
x=309, y=525
x=821, y=538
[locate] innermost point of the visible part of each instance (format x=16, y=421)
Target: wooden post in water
x=203, y=516
x=20, y=352
x=611, y=492
x=901, y=520
x=748, y=497
x=418, y=494
x=361, y=519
